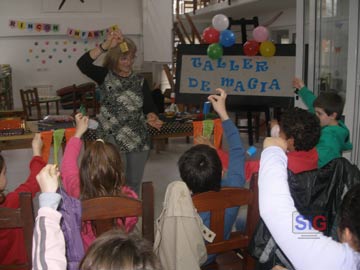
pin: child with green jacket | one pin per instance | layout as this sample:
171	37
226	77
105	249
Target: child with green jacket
328	107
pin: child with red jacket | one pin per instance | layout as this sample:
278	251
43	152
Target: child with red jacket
12	240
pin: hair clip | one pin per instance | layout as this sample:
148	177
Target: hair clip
100	140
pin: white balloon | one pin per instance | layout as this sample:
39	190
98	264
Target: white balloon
220	22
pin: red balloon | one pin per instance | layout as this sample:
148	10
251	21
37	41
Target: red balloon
210	35
251	48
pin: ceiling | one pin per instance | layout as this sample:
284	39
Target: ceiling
243	8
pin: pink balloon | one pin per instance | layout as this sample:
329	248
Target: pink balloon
260	34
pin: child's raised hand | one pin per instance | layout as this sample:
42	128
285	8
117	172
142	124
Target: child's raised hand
218	103
48	178
82	123
275	141
298	83
37	144
203	140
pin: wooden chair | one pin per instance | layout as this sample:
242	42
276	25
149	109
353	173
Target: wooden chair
104	211
85	94
30	100
252	128
12	114
22	217
216	203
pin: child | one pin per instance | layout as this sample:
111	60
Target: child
277	210
328	107
112	250
301	130
12	241
200	167
100	174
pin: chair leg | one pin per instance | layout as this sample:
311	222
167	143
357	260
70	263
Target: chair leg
57	107
250	263
257	126
250	127
267	120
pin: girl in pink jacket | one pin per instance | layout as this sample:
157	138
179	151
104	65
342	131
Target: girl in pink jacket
100	174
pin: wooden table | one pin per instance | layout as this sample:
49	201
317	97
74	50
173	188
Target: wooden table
19	141
169	130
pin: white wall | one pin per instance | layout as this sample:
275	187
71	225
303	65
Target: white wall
287	20
158	23
49	58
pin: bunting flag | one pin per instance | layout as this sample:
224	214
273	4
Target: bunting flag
32	26
58	139
218	132
92	34
197	128
69	132
207	128
46	137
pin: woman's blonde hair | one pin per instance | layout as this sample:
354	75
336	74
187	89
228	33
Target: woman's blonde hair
115	250
112	57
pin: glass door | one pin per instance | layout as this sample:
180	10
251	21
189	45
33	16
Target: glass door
331	46
331	61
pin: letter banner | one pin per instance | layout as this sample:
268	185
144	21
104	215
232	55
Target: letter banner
34	26
90	34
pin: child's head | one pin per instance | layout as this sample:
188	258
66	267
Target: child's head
200	168
349	226
328	107
100	171
116	250
300	128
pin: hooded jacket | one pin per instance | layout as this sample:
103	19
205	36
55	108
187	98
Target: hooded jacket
318	191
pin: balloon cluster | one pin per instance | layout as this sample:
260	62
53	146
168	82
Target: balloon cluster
218	36
266	47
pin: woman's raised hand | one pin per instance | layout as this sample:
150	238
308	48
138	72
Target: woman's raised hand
113	39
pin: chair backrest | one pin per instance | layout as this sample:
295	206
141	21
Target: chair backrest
216	203
30	100
22	217
85	94
104	211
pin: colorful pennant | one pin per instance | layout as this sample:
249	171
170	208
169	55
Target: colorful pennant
208	127
46	137
58	138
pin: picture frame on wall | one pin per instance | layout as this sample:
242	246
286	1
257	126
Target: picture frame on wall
68	6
